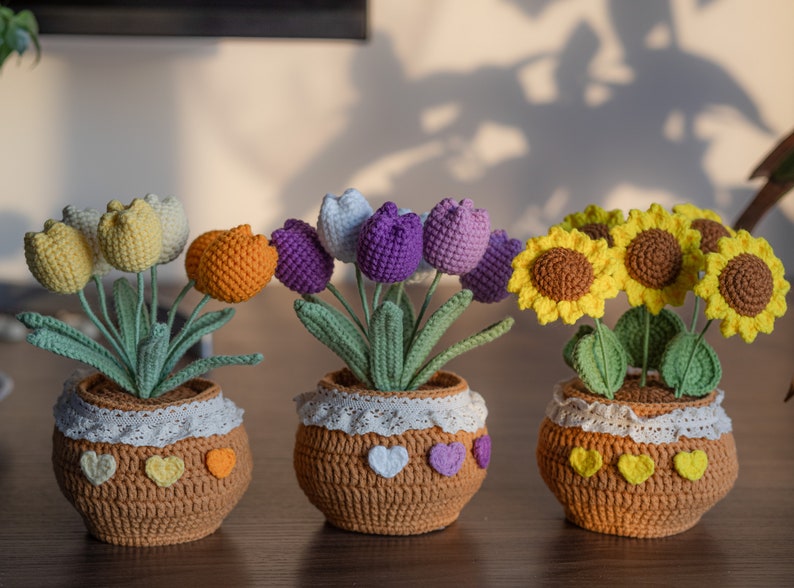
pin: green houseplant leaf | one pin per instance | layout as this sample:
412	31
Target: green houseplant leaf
437	324
386	346
600	360
690	365
337	333
567	352
485	336
630	331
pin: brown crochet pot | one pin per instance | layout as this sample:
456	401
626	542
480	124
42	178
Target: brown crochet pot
132	508
665	503
334	471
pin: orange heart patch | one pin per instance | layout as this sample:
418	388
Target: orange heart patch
221	462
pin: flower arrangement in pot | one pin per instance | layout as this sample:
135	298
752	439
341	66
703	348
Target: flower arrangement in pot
638	444
392	444
147	450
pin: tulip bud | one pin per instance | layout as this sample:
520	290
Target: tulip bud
303	265
390	245
236	265
131	237
60	257
196	250
340	222
456	236
86	221
488	281
174	223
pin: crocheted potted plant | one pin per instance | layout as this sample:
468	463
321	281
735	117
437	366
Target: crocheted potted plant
638	443
147	450
392	444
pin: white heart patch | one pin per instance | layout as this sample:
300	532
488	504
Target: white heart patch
388	461
97	468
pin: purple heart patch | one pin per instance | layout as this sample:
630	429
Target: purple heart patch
447	459
482	451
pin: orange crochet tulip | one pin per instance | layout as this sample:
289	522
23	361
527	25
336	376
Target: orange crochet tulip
196	250
236	265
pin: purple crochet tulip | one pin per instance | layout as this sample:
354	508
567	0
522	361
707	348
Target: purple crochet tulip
488	281
456	236
340	221
390	245
303	265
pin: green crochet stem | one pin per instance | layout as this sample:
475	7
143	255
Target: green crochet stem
389	350
144	354
645	346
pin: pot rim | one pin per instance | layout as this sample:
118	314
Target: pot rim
356	410
704	418
442	383
156	424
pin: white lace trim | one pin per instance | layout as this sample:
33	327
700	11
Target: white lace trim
357	414
706	422
77	419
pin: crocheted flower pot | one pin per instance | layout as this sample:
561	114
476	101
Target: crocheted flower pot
150	471
642	465
391	463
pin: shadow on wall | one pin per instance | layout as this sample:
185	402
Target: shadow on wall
592	137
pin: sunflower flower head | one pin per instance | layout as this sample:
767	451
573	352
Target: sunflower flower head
706	222
744	286
594	221
659	257
564	275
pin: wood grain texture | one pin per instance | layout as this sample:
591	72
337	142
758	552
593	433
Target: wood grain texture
512	533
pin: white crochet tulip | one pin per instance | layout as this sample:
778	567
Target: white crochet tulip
340	222
175	226
86	221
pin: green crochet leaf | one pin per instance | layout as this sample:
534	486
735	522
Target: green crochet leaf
567	352
690	365
152	352
485	336
125	302
435	327
600	361
202	366
66	345
630	330
386	346
204	325
397	294
338	334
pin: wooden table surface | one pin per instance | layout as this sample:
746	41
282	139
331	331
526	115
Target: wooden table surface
511	534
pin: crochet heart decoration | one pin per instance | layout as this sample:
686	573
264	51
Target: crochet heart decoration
387	461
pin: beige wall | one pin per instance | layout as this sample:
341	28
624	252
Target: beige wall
531	108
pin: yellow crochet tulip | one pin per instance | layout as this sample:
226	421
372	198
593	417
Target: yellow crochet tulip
131	237
60	258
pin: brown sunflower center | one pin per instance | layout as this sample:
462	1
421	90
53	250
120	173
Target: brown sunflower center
597	231
563	274
747	284
654	258
710	232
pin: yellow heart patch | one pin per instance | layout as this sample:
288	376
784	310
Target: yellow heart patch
692	465
164	472
220	462
585	462
636	468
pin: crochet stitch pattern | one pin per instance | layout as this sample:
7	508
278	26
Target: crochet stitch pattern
129	508
388	344
334	471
